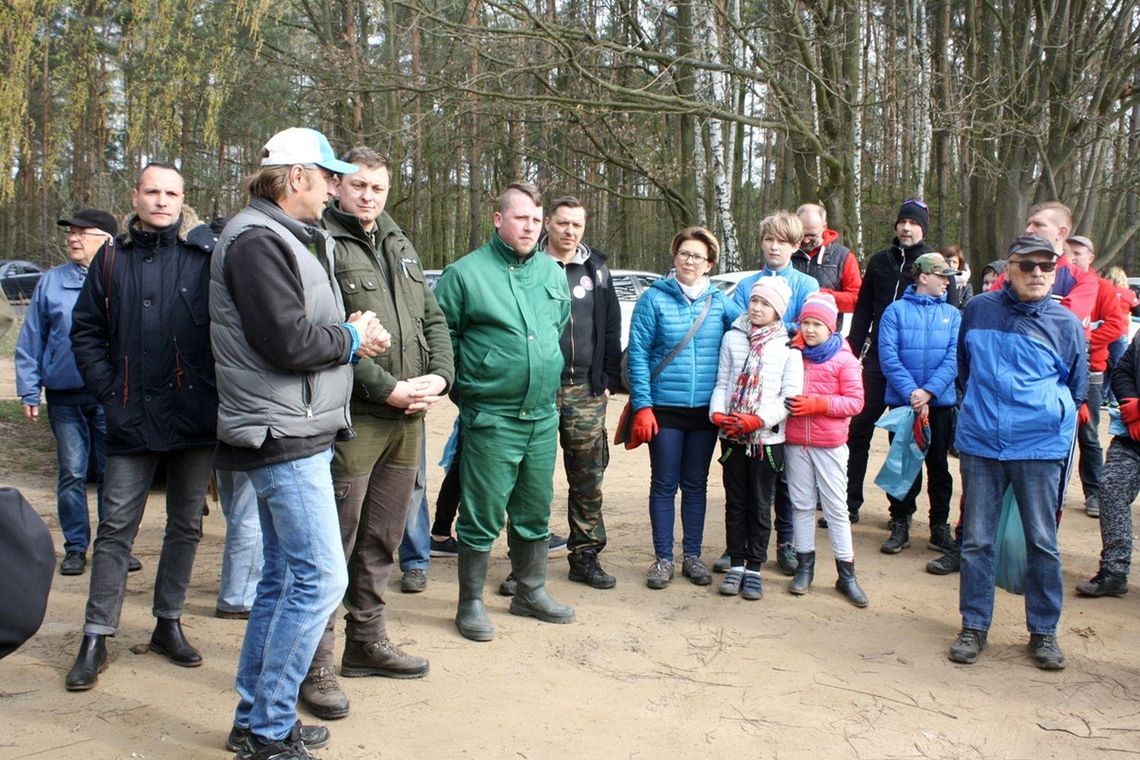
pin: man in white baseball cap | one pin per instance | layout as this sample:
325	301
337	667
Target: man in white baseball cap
284	354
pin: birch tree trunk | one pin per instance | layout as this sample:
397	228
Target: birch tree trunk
714	87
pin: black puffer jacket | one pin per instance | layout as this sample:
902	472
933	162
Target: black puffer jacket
888	273
141	336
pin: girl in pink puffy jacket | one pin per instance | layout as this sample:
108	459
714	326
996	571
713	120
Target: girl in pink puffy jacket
815	452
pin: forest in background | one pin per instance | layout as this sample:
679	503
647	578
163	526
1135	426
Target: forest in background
658	115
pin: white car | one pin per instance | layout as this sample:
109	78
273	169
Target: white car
729	280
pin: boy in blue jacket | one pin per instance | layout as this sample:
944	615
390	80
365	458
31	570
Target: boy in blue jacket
918	338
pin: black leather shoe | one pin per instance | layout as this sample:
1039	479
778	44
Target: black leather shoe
73	564
169	641
89	663
133	564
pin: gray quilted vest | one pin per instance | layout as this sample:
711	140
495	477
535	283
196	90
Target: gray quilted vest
254	398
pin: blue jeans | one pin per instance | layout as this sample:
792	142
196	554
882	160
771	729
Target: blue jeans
679	459
984	482
303	579
415	549
241	560
80	432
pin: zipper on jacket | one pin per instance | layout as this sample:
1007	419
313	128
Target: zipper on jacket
306	396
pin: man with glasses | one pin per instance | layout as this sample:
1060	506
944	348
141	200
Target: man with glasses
833	265
886	278
140	334
45	362
284	357
1023	373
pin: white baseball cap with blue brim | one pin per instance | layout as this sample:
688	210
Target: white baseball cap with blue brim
300	145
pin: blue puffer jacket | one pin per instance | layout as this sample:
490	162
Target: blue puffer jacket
802	285
44	359
918	345
1022	367
662	316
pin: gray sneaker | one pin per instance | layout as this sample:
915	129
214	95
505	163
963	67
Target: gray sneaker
414	581
660	574
968	646
722	564
1046	651
694	568
1092	505
730	586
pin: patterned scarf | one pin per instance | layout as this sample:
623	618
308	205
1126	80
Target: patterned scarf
746	394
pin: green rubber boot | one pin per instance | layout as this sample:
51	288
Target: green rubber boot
529	562
471	618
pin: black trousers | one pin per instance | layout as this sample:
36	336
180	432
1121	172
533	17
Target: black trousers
749	488
941	483
862	428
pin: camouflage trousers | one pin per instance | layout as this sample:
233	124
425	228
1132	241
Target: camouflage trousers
585	454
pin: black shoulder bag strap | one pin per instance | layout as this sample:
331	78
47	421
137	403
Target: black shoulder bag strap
677	349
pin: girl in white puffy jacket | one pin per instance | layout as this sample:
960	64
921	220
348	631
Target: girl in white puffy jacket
757	371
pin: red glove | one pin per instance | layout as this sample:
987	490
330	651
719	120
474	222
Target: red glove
805	406
1130	410
1134	431
921	431
725	422
1083	415
643	429
746	423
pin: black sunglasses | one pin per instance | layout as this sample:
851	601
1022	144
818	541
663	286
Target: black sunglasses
1029	266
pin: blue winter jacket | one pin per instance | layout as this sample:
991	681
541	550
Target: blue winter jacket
44	359
661	317
918	348
1023	370
802	286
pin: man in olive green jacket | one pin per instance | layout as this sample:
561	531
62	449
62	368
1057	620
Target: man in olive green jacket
377	270
506	308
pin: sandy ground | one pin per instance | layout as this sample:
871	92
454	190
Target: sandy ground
641	674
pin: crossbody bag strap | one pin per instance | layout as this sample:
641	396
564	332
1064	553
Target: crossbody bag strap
684	341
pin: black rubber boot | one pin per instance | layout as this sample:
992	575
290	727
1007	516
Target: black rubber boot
848	585
529	562
89	663
805	572
471	617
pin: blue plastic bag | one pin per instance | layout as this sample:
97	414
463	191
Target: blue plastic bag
1009	547
904	460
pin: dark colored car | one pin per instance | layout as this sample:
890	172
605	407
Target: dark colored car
19	278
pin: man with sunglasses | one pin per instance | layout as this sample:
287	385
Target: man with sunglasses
1023	373
886	278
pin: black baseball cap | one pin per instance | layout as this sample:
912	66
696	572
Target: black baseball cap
1030	244
92	217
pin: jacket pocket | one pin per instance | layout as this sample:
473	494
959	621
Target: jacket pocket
558	301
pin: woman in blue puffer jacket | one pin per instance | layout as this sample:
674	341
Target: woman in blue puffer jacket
671	402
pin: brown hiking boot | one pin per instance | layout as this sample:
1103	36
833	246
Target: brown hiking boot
380	658
322	695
